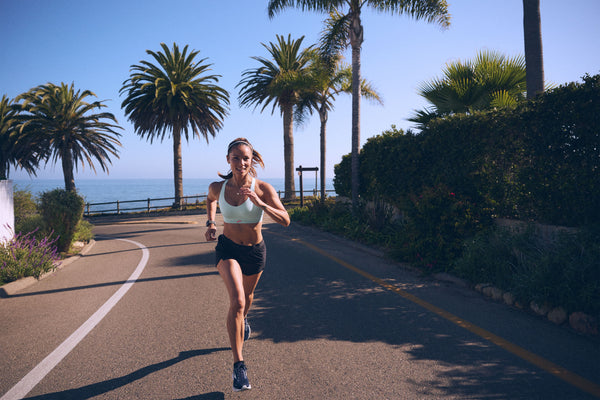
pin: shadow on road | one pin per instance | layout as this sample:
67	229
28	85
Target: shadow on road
99	388
304	296
207	396
115	283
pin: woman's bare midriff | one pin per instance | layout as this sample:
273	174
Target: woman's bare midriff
244	234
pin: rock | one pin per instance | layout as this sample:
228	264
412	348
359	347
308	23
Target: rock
509	299
583	323
493	292
539	310
445	277
518	304
487	291
496	293
480	286
557	315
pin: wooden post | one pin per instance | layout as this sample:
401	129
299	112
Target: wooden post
300	169
301	188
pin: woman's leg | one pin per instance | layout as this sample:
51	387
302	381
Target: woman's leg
231	274
250	282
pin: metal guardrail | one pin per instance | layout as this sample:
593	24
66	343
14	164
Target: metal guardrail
148	205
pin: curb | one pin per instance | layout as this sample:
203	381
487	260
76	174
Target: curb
13	287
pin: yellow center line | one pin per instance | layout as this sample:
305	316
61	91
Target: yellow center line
556	370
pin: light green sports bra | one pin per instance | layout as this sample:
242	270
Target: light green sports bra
245	213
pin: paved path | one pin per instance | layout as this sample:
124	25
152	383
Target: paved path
141	316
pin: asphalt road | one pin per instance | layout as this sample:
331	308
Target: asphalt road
142	316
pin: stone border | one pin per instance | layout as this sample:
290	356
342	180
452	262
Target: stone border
578	321
13	287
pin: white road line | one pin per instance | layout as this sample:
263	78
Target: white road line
38	373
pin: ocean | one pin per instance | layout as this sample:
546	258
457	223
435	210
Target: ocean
111	190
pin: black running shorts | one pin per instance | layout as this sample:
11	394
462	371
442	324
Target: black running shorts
252	259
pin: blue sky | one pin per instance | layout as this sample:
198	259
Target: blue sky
94	43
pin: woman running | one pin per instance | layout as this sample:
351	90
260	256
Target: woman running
240	251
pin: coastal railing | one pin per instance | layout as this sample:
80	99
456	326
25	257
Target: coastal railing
152	205
142	205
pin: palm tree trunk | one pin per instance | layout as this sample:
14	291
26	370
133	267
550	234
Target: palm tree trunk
356	39
177	167
534	59
67	165
323	116
4	169
288	151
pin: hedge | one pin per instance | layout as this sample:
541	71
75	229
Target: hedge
539	161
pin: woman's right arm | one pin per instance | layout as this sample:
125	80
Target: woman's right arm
211	210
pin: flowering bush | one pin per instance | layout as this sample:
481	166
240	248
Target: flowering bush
25	255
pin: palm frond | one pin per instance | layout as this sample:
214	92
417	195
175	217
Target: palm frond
335	37
276	6
433	11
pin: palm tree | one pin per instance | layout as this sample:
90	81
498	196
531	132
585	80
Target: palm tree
10	153
348	29
491	80
534	55
59	120
330	78
174	95
279	81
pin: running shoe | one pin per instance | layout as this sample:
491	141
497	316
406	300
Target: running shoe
240	377
247	329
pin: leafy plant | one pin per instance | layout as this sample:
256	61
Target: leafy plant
83	232
25	255
560	272
338	218
61	211
532	162
24	205
438	221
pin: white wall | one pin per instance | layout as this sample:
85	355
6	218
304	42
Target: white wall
7	211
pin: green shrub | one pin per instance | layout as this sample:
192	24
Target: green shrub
25	255
564	272
494	255
83	233
338	218
438	222
24	206
61	211
342	177
33	224
536	162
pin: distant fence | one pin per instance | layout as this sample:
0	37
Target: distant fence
142	205
152	205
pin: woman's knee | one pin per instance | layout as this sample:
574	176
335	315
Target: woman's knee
238	303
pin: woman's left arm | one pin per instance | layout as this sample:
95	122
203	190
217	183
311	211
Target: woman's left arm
270	203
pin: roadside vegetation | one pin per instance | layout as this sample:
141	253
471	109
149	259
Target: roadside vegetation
434	199
564	272
45	231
